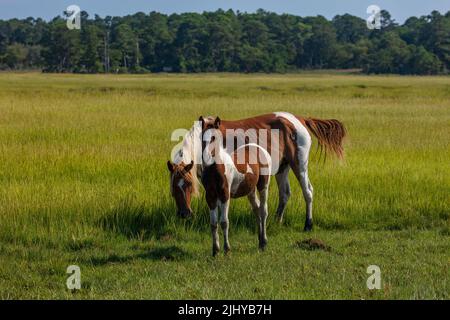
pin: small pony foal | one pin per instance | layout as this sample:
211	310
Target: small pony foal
240	174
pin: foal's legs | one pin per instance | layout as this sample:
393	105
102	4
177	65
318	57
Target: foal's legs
284	191
254	202
214	231
263	194
224	223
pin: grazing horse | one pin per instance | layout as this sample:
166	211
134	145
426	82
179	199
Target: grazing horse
186	184
289	149
243	173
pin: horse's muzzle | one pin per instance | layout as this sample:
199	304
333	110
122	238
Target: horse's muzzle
185	213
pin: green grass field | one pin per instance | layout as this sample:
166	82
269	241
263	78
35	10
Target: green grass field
83	181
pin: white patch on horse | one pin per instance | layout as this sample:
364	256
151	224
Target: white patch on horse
303	137
303	142
233	176
180	185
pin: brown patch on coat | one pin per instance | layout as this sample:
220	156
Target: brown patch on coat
216	185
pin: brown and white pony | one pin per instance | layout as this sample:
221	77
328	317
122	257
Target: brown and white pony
289	150
243	173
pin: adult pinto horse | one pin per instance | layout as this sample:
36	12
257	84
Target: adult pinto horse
289	149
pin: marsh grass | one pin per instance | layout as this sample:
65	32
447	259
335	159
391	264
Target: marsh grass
83	179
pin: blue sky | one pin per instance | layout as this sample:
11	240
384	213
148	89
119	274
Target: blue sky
400	9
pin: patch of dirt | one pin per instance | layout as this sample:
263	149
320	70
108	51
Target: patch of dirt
313	244
166	237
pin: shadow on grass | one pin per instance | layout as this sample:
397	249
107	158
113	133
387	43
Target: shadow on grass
138	221
169	253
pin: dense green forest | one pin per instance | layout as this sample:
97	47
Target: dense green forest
226	41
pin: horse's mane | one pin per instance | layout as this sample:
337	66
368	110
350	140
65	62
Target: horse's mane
191	151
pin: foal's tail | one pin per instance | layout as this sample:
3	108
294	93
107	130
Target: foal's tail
329	133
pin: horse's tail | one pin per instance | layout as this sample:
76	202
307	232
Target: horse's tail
329	133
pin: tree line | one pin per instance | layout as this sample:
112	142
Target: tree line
226	41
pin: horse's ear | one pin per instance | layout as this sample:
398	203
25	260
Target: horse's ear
189	166
170	166
202	121
217	123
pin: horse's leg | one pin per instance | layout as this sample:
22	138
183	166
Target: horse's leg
308	195
254	202
284	191
300	168
263	194
224	223
214	231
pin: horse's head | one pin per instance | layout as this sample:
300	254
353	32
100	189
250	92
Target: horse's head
211	139
182	186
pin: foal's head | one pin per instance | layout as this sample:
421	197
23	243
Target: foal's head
211	139
182	186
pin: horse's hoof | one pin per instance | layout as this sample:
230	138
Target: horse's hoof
263	245
308	227
279	219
